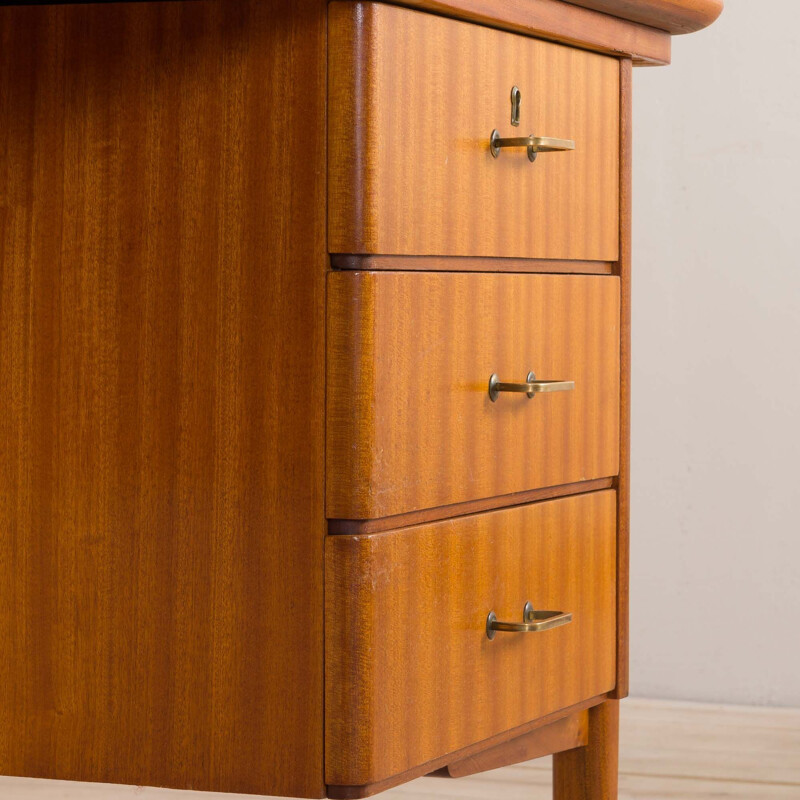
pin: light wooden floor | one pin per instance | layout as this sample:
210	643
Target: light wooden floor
668	750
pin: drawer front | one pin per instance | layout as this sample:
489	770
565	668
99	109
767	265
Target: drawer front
410	423
414	99
410	672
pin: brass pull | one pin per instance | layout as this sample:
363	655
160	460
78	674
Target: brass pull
535	144
531	387
532	621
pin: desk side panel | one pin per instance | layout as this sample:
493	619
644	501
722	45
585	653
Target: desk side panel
162	264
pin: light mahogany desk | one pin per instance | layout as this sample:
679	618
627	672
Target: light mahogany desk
314	388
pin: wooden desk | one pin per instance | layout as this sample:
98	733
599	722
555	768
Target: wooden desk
258	494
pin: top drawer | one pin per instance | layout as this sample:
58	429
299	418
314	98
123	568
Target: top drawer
414	99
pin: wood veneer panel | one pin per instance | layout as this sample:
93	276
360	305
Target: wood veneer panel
410	673
413	101
568	733
438	766
409	421
161	413
624	480
563	22
674	16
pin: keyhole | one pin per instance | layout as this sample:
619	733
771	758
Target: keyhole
516	99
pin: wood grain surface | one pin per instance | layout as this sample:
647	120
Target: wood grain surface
437	766
568	733
564	22
161	422
674	16
591	772
424	182
410	423
410	673
624	269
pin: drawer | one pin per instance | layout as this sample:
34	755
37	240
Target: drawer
413	101
410	423
410	673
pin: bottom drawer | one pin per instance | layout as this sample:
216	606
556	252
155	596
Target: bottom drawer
410	672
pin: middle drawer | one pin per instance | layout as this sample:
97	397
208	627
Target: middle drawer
410	420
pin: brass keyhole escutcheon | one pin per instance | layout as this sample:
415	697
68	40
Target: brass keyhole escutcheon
516	100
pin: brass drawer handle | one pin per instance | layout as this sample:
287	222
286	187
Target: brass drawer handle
532	621
531	387
535	144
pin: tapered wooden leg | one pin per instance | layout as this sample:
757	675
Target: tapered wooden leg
590	772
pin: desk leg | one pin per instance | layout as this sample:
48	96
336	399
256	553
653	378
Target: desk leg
590	772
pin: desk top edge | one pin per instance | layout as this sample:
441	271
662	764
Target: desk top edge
672	16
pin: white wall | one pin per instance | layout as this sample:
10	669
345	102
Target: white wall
715	592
